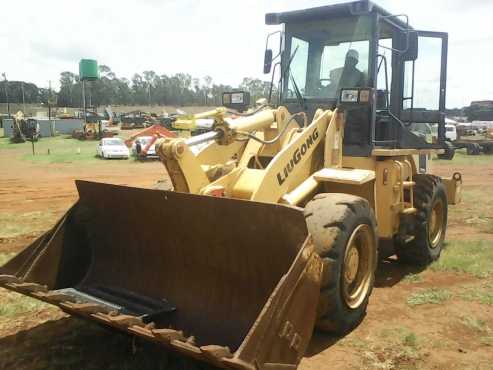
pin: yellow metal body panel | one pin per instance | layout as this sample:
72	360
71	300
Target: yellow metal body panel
185	172
290	164
386	193
294	163
345	175
366	163
216	154
385	196
245	184
333	142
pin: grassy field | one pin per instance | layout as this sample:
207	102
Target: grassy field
462	159
53	150
56	149
470	257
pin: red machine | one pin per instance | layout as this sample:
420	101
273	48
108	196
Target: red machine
150	131
155	131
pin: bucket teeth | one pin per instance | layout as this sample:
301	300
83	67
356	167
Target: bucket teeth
8	279
186	348
216	353
29	287
86	308
54	297
191	340
141	331
124	320
168	335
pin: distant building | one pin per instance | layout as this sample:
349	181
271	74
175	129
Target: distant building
480	111
483	124
488	104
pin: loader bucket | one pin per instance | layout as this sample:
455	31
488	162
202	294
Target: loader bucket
231	282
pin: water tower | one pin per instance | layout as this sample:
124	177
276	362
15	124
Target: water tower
88	71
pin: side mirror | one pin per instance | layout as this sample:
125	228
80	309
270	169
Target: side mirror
267	61
412	47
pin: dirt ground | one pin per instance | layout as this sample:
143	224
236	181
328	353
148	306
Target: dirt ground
440	318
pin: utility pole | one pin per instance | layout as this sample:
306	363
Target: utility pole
49	99
6	93
23	98
84	100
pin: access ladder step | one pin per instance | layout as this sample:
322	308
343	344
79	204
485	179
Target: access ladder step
408	184
409	211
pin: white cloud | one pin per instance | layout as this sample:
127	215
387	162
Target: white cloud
221	38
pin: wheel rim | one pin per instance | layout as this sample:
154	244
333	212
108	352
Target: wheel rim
358	266
436	224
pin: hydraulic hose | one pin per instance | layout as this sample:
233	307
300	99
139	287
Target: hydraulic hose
268	142
248	113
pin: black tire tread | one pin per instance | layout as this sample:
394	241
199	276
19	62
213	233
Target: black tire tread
328	218
417	252
449	153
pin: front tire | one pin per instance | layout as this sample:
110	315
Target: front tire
343	228
473	149
430	223
488	149
449	152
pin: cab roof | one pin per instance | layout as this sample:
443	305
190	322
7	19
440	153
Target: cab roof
355	8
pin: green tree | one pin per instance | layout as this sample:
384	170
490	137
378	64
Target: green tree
66	93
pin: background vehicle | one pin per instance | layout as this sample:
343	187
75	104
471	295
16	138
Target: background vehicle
112	148
141	143
475	138
451	132
186	125
93	131
272	227
135	119
24	129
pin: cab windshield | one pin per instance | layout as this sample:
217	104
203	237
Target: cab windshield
326	56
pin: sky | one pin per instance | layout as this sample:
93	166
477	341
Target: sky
221	38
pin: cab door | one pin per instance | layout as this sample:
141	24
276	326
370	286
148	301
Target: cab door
425	83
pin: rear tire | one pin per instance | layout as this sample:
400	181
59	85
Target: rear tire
473	149
430	225
343	228
488	149
449	152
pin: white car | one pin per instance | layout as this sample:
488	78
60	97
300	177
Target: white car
140	144
112	148
450	132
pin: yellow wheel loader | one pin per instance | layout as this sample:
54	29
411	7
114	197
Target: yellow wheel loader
275	226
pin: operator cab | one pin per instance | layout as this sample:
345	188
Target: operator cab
360	58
